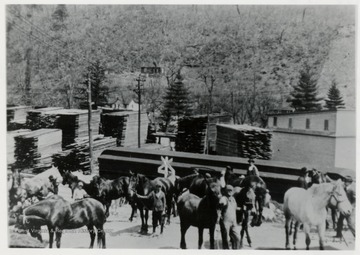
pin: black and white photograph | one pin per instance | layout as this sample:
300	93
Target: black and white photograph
228	126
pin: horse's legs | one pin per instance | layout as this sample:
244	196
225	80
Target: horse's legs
107	204
287	232
133	210
146	220
142	219
333	217
296	228
244	217
212	236
290	226
183	229
58	234
51	236
169	200
101	237
200	241
307	235
246	224
321	232
92	235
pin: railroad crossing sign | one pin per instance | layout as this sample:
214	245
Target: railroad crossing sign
164	168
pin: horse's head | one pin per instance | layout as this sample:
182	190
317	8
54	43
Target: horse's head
133	183
213	191
97	186
66	177
339	198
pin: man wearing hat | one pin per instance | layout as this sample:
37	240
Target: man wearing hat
157	200
350	189
79	192
252	169
228	224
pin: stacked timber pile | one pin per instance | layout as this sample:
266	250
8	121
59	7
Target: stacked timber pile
16	117
42	118
10	143
243	141
76	156
33	150
191	134
192	131
72	122
124	127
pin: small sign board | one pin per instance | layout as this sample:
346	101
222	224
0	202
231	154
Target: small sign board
151	70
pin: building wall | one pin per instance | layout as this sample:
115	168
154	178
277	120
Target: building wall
299	121
307	149
345	123
345	155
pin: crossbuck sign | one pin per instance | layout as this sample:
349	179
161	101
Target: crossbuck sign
165	167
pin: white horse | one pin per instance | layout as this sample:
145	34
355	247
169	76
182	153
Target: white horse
309	207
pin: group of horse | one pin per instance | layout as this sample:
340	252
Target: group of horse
196	197
202	196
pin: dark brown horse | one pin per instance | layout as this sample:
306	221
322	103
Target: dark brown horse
72	180
108	190
58	214
199	212
184	183
143	186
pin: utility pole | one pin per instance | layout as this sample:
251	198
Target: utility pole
89	124
140	81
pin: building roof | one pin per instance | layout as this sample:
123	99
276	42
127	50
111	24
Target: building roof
307	112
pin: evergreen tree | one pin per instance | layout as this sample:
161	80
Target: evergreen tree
304	97
99	91
59	16
334	100
176	101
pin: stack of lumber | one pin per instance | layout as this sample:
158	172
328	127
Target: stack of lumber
191	134
16	117
76	156
124	127
41	118
72	122
243	141
33	150
10	143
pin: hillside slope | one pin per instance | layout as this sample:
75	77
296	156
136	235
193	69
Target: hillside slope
340	65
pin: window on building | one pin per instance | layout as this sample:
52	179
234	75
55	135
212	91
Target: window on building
290	123
275	122
326	125
307	123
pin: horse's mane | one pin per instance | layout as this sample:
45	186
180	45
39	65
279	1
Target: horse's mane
317	188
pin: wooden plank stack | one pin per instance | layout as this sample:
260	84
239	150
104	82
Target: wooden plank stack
10	143
16	117
42	118
33	150
243	141
72	122
191	135
124	127
76	156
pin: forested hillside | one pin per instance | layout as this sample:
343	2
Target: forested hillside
246	58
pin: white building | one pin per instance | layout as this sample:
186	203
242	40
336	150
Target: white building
324	139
